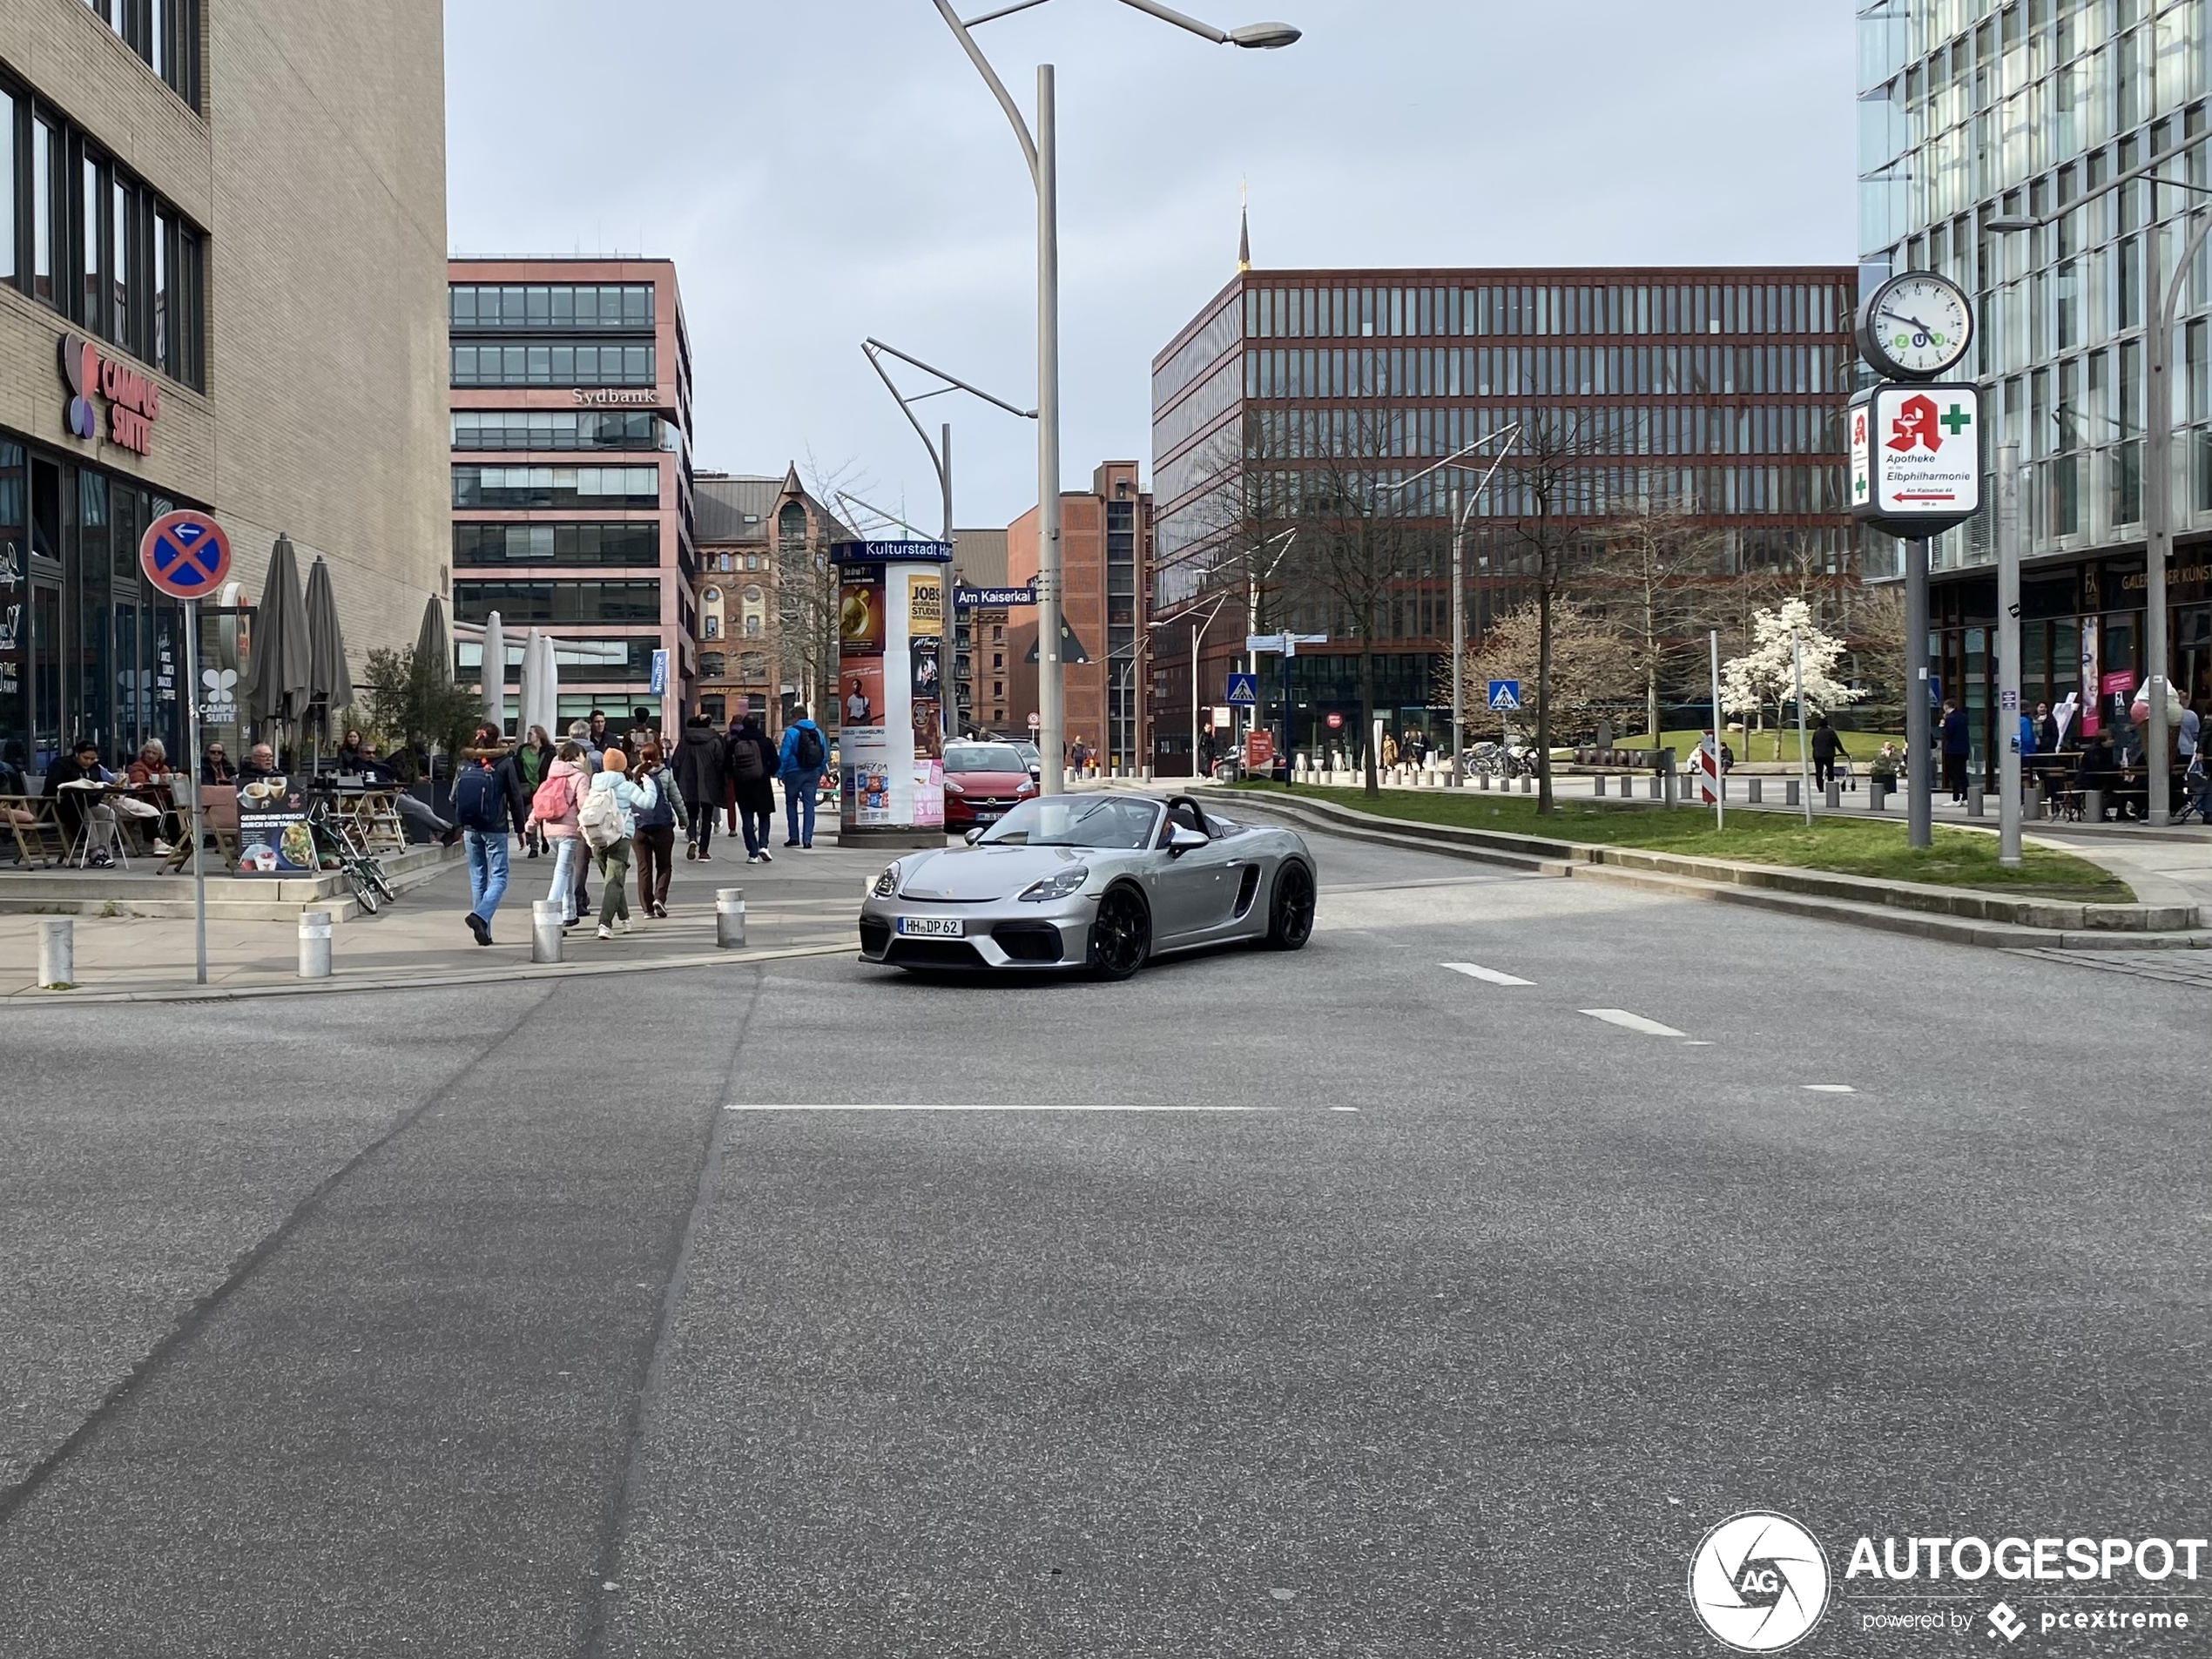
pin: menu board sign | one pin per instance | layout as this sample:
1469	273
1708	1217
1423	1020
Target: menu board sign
273	835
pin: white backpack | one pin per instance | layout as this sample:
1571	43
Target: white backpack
600	818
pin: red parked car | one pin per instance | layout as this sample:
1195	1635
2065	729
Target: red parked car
983	782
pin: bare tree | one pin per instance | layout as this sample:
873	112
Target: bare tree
1353	547
808	591
1548	488
1651	573
1593	658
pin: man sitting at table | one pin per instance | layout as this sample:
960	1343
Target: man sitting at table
260	762
356	757
75	807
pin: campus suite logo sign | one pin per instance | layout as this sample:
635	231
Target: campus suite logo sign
1759	1582
134	401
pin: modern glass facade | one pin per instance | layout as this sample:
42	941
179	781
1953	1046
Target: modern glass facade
1972	111
1717	393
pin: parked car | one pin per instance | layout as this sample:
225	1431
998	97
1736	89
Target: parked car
983	783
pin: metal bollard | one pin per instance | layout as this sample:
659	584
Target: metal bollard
1758	793
546	931
2092	806
57	953
314	944
1656	793
729	918
1974	803
1790	793
1527	785
1835	796
1600	781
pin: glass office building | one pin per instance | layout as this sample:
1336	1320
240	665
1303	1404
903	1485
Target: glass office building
1972	111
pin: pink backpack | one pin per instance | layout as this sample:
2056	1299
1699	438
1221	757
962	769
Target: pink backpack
554	800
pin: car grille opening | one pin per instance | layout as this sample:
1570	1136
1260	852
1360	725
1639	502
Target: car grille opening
1249	890
874	936
1029	941
932	953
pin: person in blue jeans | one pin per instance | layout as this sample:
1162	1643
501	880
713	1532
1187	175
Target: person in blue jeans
799	764
487	804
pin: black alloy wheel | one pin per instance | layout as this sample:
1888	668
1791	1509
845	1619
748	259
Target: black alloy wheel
1121	936
1289	914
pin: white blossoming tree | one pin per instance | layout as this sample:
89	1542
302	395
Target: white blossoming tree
1765	676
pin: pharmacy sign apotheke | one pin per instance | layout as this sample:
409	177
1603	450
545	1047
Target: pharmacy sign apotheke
1915	457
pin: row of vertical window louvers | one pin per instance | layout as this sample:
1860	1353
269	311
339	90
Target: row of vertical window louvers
1549	308
1547	371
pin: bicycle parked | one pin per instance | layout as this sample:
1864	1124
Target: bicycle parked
338	839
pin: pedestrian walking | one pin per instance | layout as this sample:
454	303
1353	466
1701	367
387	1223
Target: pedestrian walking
1957	747
553	814
533	760
657	824
752	765
799	764
702	779
1826	746
488	805
608	818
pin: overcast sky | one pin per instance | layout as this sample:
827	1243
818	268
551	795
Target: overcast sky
825	170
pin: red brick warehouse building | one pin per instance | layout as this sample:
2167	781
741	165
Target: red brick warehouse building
1718	389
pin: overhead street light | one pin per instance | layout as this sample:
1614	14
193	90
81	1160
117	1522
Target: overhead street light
1041	150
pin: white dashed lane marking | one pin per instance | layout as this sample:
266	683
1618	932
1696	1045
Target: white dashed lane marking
1000	1109
1629	1021
1831	1089
1487	975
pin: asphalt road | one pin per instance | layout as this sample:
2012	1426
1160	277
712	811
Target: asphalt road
1440	1316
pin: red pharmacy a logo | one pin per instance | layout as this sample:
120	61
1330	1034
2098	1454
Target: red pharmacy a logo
1916	424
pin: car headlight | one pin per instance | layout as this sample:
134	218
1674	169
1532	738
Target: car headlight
887	885
952	788
1065	885
1027	788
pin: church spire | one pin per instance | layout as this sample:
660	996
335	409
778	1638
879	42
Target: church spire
1244	229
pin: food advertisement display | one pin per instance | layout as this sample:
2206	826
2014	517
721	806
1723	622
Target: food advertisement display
274	838
889	688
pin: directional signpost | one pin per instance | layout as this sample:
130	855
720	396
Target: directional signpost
1505	697
186	554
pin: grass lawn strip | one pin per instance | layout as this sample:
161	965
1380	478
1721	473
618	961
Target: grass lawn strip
1842	846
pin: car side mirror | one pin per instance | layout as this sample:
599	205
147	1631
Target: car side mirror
1184	839
974	835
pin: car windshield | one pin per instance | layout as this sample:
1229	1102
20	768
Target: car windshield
985	757
1124	826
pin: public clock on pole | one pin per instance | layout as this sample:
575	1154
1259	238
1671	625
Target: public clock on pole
1916	326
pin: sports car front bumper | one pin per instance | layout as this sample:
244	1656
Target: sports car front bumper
1004	934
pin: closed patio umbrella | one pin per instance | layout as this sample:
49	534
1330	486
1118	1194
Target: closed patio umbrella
495	672
330	684
432	652
280	667
541	683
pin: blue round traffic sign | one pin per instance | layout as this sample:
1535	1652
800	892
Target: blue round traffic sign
186	554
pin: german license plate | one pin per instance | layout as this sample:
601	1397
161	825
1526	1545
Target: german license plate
932	928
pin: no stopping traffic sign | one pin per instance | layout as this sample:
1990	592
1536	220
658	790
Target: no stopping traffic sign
186	554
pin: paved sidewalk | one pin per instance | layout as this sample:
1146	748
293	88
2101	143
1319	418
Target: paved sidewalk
805	900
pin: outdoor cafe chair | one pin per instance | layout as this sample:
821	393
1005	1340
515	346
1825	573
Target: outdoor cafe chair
39	840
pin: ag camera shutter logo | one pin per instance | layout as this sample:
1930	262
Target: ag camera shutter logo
1759	1582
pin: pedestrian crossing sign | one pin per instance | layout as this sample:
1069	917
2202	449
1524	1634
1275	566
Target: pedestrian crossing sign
1505	697
1243	692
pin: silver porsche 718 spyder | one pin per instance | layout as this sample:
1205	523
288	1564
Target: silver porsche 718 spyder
1096	882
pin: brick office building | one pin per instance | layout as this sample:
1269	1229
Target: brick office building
198	308
1719	391
982	679
571	473
1106	546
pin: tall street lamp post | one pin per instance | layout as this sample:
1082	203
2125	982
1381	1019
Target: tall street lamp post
1459	515
1041	150
2158	470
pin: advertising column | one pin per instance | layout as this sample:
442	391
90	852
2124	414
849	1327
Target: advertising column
891	627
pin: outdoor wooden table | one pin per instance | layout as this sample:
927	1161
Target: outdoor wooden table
376	816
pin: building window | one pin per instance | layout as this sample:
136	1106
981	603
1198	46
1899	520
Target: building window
714	627
753	627
537	487
165	35
44	200
712	596
512	306
753	595
557	602
558	430
711	664
565	362
478	545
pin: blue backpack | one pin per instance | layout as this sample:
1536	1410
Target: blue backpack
478	803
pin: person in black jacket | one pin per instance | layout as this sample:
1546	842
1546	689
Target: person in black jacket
702	779
752	772
1826	745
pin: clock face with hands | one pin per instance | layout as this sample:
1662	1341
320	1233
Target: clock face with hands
1917	327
